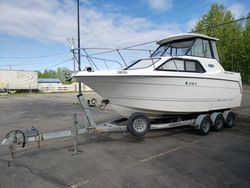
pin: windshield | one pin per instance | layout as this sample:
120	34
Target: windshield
172	48
142	63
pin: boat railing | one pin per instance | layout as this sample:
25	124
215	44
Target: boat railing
96	58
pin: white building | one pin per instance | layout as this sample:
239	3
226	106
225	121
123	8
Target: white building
55	85
13	80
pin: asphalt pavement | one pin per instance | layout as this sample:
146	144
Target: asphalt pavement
165	158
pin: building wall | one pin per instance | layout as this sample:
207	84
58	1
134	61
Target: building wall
59	87
18	80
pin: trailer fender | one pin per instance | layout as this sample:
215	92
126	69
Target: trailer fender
199	120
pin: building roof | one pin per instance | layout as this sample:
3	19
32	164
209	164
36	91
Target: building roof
13	70
183	36
49	80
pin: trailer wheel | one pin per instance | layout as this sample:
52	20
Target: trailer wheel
138	124
204	124
218	121
229	119
93	102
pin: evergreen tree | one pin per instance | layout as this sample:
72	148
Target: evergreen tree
60	73
246	51
229	34
232	39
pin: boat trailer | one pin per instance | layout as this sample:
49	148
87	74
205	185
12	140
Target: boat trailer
138	124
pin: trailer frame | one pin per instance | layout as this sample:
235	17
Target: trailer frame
17	138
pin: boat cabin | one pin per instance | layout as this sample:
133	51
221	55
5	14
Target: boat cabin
188	44
175	47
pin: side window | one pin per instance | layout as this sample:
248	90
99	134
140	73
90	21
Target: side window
167	52
193	66
168	66
181	65
197	49
201	48
207	50
190	66
215	50
173	65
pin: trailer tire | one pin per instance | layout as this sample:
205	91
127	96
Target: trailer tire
229	119
138	124
218	121
204	124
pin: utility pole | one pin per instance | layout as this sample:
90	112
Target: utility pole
78	37
71	41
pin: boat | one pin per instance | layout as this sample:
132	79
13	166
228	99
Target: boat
182	76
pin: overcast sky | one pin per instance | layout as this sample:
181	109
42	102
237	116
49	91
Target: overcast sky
34	33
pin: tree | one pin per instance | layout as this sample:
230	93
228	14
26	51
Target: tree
246	51
47	74
60	73
234	43
229	34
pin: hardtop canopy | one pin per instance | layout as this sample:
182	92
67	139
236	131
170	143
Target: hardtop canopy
184	36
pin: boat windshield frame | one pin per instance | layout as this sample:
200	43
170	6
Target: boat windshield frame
168	46
152	63
171	45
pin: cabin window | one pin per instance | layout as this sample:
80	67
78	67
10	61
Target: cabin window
173	65
181	65
168	66
193	66
181	48
160	51
190	66
167	52
200	48
207	49
197	47
142	63
174	48
215	52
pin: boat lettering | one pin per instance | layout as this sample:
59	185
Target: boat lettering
122	72
225	100
191	83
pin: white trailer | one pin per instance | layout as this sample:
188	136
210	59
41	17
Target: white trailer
18	80
138	124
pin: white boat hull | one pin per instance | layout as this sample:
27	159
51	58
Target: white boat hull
157	96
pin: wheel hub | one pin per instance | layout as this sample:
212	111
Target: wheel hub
140	125
219	123
205	126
